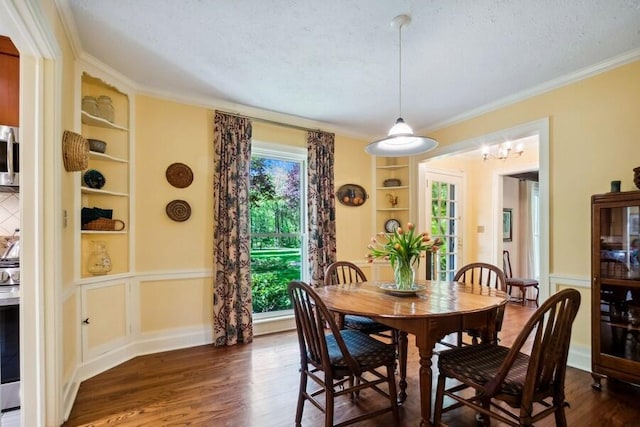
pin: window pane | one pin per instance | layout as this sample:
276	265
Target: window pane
275	198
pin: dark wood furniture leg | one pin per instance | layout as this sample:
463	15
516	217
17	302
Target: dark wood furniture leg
402	366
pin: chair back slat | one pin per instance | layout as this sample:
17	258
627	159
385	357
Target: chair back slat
480	273
341	272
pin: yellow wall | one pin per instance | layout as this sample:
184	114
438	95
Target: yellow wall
593	135
168	132
169	304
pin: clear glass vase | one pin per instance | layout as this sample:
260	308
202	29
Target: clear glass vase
404	274
99	261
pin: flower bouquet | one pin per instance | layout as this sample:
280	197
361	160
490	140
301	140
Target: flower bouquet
403	249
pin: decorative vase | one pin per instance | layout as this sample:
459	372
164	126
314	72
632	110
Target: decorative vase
636	176
404	274
99	262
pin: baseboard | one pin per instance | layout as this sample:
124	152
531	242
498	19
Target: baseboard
580	357
69	393
174	339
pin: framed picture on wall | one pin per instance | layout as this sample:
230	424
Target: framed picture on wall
507	225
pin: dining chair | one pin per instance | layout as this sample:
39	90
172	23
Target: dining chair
481	274
506	374
342	362
518	282
341	272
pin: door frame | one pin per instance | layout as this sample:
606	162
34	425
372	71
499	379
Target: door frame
40	166
424	200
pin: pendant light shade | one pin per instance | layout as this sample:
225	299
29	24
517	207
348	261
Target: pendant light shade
400	140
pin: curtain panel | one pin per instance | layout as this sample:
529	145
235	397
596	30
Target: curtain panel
321	204
232	306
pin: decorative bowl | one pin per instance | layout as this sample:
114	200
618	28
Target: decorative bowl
94	179
392	182
97	145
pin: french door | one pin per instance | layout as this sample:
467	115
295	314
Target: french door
443	215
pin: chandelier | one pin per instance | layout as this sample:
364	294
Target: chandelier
400	140
503	151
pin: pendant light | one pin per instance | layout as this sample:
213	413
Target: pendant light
400	140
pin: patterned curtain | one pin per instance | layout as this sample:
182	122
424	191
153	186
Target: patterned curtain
322	205
232	307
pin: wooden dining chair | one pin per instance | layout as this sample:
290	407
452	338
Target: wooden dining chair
507	374
518	282
481	274
341	272
342	362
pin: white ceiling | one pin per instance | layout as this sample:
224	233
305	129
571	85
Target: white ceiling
336	61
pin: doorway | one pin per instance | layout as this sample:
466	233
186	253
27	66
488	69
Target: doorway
481	232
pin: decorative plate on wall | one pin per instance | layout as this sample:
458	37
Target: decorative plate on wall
178	210
179	175
352	195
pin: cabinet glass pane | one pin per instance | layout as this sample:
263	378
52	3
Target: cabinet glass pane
619	242
620	321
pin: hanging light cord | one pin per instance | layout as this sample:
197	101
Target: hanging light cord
400	70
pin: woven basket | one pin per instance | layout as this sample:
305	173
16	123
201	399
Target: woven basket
104	224
75	151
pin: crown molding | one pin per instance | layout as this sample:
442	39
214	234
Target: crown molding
593	70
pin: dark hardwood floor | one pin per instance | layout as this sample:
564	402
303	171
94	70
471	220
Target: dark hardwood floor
257	385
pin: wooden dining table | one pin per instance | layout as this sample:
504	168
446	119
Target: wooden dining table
430	314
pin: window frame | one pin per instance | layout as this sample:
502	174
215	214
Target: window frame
299	155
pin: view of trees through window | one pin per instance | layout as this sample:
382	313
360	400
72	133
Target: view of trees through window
276	230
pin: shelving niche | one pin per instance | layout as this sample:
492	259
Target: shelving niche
114	166
388	170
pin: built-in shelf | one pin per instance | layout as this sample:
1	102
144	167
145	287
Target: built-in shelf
91	120
393	166
87	190
103	232
400	187
393	209
94	155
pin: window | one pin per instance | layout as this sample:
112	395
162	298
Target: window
277	197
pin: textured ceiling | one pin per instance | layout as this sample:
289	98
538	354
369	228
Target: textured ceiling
336	61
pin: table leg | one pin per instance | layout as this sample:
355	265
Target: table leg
402	366
426	351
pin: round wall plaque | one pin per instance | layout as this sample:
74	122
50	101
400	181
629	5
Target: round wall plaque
179	175
178	210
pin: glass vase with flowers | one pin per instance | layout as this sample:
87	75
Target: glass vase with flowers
402	249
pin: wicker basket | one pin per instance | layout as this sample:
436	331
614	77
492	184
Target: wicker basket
104	224
75	151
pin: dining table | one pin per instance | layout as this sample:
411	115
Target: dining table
429	311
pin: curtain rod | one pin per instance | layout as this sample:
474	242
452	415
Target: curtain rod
273	122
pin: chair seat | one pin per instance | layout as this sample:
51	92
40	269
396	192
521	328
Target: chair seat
365	350
480	363
516	281
364	324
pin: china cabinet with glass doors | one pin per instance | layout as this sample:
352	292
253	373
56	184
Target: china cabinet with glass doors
615	299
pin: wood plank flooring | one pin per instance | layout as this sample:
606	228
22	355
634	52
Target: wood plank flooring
257	385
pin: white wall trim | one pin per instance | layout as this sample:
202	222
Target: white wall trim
555	280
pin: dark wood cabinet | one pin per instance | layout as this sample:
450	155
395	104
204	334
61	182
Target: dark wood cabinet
9	83
615	288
